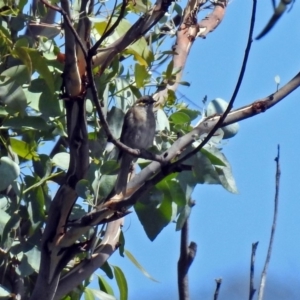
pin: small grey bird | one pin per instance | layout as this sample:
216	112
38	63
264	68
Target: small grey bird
138	132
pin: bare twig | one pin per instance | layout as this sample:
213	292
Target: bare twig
252	290
108	31
268	258
235	92
187	255
218	286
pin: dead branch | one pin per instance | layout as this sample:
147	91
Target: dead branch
218	286
252	290
187	256
268	258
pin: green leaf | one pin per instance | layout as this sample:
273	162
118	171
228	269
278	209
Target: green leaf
42	166
138	265
40	64
109	167
141	75
33	258
83	189
214	159
104	286
180	118
106	185
204	171
36	201
169	70
185	83
9	171
18	73
183	216
193	114
88	294
13	96
22	149
27	122
23	55
172	189
121	282
9	232
107	270
101	295
154	206
227	179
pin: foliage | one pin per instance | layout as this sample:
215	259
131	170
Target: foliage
34	115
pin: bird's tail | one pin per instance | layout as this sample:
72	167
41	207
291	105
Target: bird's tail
121	182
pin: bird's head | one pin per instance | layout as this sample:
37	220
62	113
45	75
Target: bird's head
145	101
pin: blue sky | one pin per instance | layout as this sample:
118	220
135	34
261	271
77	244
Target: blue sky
222	224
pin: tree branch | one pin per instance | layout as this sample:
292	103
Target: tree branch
146	179
187	255
252	290
268	258
218	286
87	267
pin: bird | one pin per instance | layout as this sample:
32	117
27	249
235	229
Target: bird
138	132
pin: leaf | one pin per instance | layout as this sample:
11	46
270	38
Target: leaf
106	185
214	159
27	122
18	73
88	294
40	64
35	199
13	96
162	121
169	70
109	167
101	295
121	282
107	270
227	179
83	189
183	216
172	189
137	57
23	55
104	286
9	171
62	160
180	118
22	149
154	206
33	258
204	171
141	75
138	265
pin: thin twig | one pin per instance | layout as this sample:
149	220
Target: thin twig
107	30
218	286
187	255
252	290
268	258
236	90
